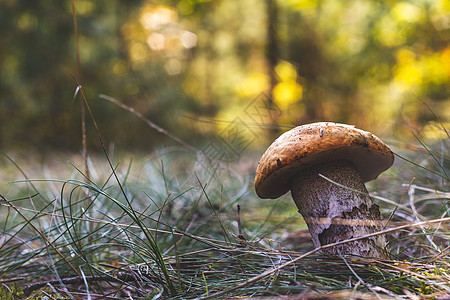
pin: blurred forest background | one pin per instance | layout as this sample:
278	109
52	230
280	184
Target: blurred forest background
229	69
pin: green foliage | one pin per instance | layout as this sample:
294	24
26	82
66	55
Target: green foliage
11	292
353	61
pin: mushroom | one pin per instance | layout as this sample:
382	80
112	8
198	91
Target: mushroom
325	165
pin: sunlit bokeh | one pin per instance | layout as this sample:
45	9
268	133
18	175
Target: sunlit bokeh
380	65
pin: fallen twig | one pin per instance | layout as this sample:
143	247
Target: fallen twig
120	277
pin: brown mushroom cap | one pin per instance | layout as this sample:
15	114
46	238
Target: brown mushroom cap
311	144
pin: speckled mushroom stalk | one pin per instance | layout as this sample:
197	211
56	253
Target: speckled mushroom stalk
335	213
307	160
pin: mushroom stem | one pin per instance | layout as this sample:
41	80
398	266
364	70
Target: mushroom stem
334	213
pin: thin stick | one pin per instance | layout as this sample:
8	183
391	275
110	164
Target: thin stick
149	123
433	259
120	277
83	111
239	221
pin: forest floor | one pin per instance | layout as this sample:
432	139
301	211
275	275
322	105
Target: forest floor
175	225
